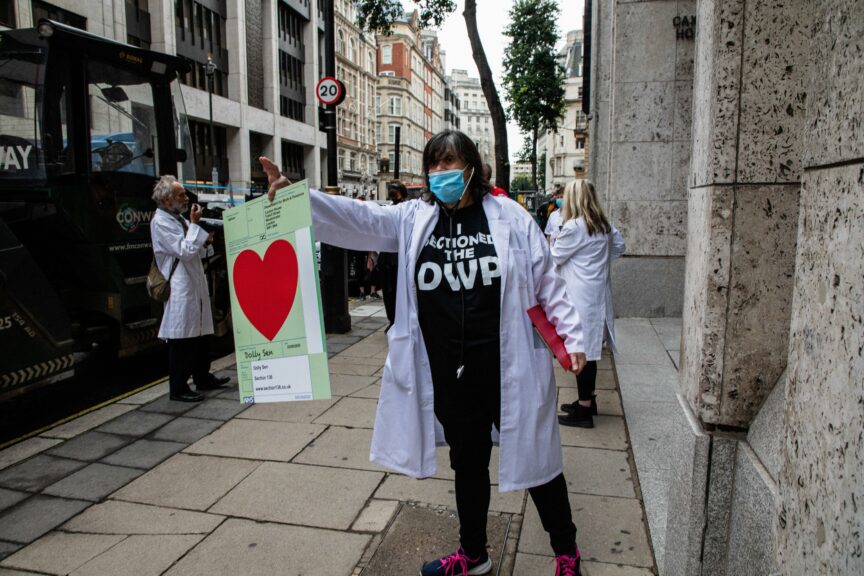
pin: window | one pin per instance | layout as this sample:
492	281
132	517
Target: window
387	54
7	13
353	48
580	143
123	135
44	10
391	132
394	107
370	61
292	161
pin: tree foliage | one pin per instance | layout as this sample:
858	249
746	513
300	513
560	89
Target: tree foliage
533	78
524	154
521	182
379	16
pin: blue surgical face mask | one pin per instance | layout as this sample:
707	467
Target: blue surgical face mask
558	202
448	186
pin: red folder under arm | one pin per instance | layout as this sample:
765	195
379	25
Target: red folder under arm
550	336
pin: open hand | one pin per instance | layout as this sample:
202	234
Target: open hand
577	362
274	177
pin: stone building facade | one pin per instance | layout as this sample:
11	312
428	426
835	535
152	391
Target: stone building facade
566	148
476	120
356	116
410	97
736	129
255	111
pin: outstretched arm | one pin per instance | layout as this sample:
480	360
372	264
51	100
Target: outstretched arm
340	221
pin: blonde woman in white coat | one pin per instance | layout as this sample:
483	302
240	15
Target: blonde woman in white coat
583	252
463	363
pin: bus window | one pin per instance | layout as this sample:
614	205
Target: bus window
122	121
21	73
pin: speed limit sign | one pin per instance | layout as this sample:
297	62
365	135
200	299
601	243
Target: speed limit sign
330	91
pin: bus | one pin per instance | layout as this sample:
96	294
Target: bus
87	125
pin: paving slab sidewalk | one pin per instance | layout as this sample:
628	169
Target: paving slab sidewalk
146	487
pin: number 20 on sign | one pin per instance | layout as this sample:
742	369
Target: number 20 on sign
330	91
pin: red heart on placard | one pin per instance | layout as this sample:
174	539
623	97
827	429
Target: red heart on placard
266	289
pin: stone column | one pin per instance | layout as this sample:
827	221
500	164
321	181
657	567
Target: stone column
162	27
643	73
749	95
820	519
238	141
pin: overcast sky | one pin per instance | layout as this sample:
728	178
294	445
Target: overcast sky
492	18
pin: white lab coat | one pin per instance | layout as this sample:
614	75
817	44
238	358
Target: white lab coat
406	430
553	225
583	262
187	312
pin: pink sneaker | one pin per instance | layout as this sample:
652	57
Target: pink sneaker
567	565
458	564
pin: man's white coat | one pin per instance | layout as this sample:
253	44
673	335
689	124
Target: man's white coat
406	430
187	313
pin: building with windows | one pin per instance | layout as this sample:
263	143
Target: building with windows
566	148
452	106
410	98
356	116
255	111
476	120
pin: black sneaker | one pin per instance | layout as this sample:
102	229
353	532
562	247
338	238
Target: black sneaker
569	408
580	417
214	383
458	564
187	397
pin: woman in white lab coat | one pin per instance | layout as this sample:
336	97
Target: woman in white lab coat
463	363
583	252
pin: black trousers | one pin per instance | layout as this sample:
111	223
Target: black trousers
188	357
388	265
467	407
587	380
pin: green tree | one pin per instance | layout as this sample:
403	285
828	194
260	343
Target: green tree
524	154
533	79
521	182
379	15
541	173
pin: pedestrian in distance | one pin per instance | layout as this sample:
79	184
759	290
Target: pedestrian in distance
554	221
388	262
463	363
496	190
178	246
583	252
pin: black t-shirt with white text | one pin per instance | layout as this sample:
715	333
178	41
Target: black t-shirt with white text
459	288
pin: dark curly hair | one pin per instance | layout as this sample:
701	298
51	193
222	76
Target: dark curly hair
459	145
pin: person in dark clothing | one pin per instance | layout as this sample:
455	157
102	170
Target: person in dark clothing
388	262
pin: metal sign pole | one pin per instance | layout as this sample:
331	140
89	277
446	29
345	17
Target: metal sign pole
334	262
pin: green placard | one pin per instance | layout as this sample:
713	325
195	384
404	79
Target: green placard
276	299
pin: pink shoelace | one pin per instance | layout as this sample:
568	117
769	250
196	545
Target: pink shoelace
565	565
458	558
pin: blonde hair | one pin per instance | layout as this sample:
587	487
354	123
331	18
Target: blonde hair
580	200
